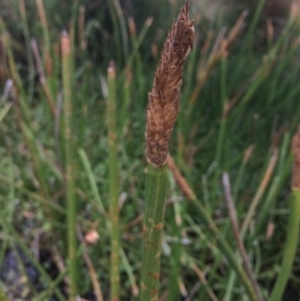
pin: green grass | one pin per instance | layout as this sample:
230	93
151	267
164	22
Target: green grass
260	78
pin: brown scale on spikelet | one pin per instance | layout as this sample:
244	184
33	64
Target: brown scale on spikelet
296	167
163	103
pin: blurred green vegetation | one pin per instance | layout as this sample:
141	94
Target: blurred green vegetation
235	100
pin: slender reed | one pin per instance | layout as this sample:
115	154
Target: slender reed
42	78
113	185
260	191
212	228
290	247
45	28
23	14
69	167
236	233
162	112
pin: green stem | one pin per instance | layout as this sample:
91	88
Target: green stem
113	185
69	165
289	249
156	189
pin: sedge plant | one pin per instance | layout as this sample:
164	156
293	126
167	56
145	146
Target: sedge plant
162	110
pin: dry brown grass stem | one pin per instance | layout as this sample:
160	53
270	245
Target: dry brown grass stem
163	103
42	78
237	236
261	189
296	166
181	181
248	153
131	26
60	264
203	280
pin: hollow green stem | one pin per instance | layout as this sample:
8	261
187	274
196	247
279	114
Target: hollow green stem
289	248
156	189
113	185
69	166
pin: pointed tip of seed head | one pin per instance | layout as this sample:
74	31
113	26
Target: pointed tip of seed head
111	70
65	43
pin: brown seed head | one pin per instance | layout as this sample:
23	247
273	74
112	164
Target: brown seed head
163	105
296	167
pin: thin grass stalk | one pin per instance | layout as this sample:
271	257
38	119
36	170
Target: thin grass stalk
135	47
113	185
73	28
138	66
262	187
123	116
44	23
36	161
128	268
25	28
91	178
22	109
4	111
237	236
206	68
24	120
223	95
241	171
162	111
224	246
274	191
213	229
252	27
69	165
222	130
50	62
201	275
290	247
176	251
123	28
254	203
116	29
42	77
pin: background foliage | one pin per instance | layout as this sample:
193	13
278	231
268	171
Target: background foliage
256	76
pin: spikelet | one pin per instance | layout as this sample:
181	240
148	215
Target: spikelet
296	166
163	105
